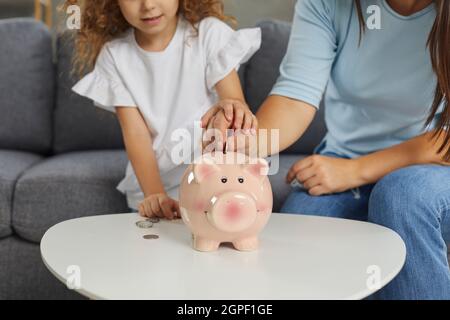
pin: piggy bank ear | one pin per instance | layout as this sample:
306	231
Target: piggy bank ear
259	169
205	168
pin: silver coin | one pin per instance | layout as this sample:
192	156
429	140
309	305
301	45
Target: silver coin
296	184
153	219
145	224
151	237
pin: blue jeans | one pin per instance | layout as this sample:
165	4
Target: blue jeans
414	202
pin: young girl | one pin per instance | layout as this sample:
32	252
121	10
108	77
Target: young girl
160	65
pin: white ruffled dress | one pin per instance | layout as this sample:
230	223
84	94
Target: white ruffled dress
172	88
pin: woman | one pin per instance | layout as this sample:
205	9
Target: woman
379	161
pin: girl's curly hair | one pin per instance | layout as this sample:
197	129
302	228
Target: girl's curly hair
102	21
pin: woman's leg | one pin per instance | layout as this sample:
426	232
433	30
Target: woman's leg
349	205
415	202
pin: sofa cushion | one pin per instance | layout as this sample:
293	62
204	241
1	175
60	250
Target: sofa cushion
23	275
78	124
12	165
262	72
68	186
26	86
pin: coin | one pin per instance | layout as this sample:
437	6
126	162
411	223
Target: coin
151	237
145	224
153	219
296	184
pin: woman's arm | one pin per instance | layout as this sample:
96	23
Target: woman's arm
290	117
139	146
304	74
324	175
420	150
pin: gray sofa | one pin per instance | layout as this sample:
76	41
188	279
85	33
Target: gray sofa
61	158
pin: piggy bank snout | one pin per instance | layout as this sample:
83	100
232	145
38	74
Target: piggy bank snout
233	212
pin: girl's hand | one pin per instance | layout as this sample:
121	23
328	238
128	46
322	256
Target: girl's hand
160	205
322	175
243	143
236	112
228	114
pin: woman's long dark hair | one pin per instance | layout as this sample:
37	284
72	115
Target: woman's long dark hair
439	46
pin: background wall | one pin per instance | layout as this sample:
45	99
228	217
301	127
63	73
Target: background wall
248	12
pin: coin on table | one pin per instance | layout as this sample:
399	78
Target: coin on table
153	219
145	224
151	237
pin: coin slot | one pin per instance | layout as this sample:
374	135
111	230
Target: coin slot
151	237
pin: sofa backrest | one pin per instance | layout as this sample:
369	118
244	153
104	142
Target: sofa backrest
78	125
262	72
27	92
26	85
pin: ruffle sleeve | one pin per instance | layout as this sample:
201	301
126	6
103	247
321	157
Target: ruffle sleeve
105	93
104	86
227	49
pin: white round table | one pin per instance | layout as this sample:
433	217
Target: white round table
300	257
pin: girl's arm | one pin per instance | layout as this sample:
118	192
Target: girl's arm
230	88
138	143
233	108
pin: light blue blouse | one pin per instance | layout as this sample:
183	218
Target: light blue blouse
376	94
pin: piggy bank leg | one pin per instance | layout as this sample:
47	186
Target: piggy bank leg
247	244
205	245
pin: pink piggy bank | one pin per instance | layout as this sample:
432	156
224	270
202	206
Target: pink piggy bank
223	199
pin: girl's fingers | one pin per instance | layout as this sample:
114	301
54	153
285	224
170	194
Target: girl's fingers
248	119
141	209
176	208
166	208
254	124
208	115
228	109
238	118
156	210
240	141
208	138
221	125
147	209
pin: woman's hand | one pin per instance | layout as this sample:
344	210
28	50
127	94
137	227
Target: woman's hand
159	205
322	175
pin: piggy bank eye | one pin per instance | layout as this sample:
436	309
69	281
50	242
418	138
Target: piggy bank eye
241	180
224	180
